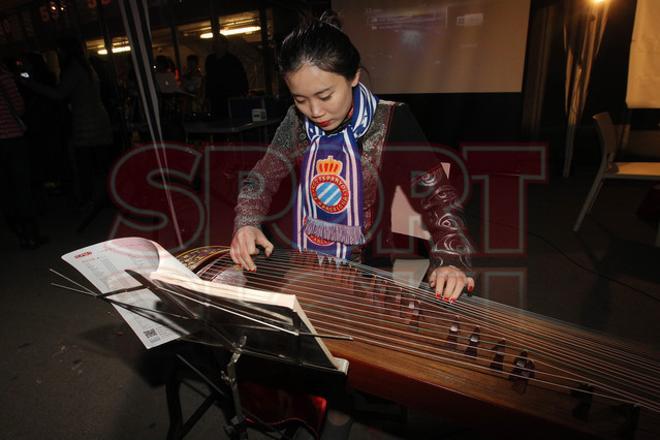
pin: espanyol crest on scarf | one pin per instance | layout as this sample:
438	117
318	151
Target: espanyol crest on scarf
329	191
329	206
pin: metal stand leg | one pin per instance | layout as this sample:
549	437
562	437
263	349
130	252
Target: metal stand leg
178	429
236	427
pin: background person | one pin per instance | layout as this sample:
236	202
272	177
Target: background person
45	119
225	77
91	140
193	84
15	184
192	78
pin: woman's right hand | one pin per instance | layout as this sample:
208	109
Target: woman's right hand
245	243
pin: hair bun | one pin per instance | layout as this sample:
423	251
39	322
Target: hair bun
330	17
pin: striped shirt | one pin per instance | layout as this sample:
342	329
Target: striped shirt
9	127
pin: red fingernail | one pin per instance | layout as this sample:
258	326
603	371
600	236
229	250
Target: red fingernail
470	289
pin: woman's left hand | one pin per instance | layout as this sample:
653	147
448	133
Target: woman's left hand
449	282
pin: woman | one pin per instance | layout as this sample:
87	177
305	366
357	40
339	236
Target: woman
336	131
44	118
91	130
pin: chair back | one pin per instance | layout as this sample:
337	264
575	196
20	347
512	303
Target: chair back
606	135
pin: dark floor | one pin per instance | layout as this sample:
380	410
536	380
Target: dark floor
73	370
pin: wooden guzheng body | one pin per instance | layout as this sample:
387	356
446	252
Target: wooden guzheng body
476	362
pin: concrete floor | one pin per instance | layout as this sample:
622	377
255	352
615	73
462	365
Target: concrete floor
72	369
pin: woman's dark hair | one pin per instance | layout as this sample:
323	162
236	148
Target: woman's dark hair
70	49
40	71
321	43
164	64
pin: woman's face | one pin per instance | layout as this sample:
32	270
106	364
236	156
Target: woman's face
324	97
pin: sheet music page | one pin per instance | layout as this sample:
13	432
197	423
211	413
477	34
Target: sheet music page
104	265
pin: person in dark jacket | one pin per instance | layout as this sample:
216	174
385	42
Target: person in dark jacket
47	123
225	77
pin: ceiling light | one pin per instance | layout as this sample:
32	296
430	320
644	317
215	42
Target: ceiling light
116	49
240	30
234	31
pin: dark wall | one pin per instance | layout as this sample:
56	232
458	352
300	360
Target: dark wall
450	119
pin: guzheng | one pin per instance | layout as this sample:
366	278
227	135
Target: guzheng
477	362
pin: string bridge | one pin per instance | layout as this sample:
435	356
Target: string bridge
631	413
498	359
452	336
523	370
584	394
473	343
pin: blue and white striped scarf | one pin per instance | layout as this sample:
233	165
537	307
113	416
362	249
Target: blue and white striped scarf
329	206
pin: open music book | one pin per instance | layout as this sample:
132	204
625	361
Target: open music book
162	300
105	264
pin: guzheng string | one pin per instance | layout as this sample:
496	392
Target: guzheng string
555	376
482	349
269	277
459	307
476	324
499	318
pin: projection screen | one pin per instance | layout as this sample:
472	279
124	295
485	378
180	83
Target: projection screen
439	46
644	68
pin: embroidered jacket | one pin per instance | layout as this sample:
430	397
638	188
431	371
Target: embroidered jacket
436	199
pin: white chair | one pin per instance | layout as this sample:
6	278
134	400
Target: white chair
614	170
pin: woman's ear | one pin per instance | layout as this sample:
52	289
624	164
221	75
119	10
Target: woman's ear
356	79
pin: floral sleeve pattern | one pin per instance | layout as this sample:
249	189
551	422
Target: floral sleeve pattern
442	213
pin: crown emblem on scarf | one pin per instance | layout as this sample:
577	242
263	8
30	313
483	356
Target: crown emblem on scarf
329	165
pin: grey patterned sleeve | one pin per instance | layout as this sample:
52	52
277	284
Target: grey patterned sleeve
264	179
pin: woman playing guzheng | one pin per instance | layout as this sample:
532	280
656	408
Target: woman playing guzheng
334	135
